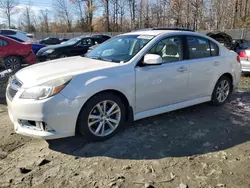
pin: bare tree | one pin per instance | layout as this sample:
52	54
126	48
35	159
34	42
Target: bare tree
90	9
8	8
63	11
197	12
132	6
44	20
106	13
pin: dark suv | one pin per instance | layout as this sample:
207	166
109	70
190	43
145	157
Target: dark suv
73	47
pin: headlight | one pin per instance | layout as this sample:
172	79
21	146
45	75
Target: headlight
49	51
47	89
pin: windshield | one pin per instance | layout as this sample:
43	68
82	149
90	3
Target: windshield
72	41
120	49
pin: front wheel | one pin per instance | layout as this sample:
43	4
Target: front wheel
221	91
101	117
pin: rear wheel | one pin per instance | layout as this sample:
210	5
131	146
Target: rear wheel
101	117
13	63
222	91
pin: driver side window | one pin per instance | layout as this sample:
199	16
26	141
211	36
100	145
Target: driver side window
86	42
170	49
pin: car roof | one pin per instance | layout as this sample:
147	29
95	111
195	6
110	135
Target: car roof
14	30
159	32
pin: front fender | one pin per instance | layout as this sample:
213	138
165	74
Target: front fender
85	86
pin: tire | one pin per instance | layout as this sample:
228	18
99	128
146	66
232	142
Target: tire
13	63
220	95
63	55
92	128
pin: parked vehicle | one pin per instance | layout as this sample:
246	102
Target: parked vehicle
223	38
129	77
92	47
16	53
238	44
244	55
50	41
63	40
73	47
35	47
15	33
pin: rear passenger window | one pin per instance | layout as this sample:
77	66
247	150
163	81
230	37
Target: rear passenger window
198	47
214	49
3	43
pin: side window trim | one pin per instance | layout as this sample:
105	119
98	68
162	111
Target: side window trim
211	42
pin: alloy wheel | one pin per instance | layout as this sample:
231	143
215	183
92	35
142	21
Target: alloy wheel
12	64
223	91
104	118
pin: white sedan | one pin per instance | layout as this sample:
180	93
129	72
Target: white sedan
129	77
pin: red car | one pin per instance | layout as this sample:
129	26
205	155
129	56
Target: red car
16	53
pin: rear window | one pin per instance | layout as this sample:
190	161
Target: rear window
7	32
199	47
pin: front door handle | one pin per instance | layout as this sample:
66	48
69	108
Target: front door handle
182	69
216	63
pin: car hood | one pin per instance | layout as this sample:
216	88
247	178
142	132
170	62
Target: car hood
54	47
44	72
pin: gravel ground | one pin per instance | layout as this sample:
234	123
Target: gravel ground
201	146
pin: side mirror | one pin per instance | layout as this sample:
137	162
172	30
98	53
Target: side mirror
152	59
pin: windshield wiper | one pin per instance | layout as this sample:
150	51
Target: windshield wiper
104	59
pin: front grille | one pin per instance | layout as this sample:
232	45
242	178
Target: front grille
13	88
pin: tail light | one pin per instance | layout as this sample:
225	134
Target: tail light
243	54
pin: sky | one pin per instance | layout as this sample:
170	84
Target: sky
36	5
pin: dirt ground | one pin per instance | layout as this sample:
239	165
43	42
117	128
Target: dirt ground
201	146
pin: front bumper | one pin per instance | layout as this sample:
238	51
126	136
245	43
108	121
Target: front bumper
45	57
58	115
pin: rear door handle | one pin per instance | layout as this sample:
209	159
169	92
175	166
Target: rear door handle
216	63
182	69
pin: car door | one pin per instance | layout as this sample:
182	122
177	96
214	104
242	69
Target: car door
204	66
165	84
81	47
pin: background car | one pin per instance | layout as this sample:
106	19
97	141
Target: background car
15	33
50	41
238	44
35	47
73	47
244	54
16	53
223	38
63	40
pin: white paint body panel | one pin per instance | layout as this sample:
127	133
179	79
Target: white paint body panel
150	90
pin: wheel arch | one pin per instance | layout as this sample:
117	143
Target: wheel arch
15	55
231	79
129	109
